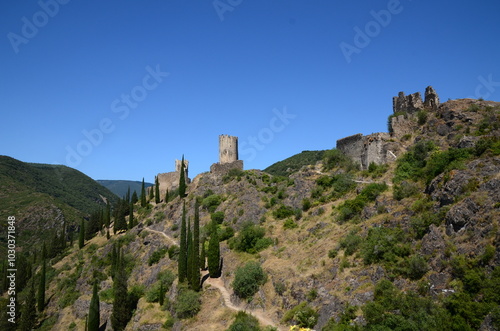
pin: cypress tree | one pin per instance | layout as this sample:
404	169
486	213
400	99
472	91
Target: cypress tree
107	215
196	249
213	253
127	197
182	264
134	198
41	284
143	194
203	255
131	217
94	318
157	190
167	196
120	313
114	260
182	180
190	254
81	235
151	193
28	310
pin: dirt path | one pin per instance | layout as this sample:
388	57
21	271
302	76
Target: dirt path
219	284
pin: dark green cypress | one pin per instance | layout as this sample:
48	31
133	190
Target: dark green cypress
167	196
157	190
143	194
151	193
131	217
213	254
94	318
120	313
28	310
134	198
196	249
182	263
182	180
81	235
203	256
41	284
190	254
161	294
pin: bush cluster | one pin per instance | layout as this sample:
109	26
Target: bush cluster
351	208
248	279
250	239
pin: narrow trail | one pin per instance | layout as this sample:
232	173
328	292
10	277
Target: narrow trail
226	295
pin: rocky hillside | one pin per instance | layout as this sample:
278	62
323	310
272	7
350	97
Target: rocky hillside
411	245
42	197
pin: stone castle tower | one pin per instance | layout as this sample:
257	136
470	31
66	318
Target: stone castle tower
228	149
228	156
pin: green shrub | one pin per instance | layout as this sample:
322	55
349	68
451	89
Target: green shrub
173	252
302	315
306	204
290	224
416	267
279	287
422	117
248	279
157	256
334	158
410	164
332	253
250	239
188	303
405	189
217	217
283	212
244	322
384	244
350	243
226	233
211	202
420	223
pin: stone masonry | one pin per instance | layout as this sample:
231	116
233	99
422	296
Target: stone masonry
378	147
228	156
170	180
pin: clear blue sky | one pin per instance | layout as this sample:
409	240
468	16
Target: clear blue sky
152	80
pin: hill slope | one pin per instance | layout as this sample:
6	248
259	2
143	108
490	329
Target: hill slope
293	164
413	244
120	187
43	196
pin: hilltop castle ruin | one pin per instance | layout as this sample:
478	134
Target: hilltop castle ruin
378	147
170	180
228	155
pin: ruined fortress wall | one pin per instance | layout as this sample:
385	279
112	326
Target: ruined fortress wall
223	168
365	149
170	180
228	149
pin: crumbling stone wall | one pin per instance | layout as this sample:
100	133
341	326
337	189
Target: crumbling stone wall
170	180
364	150
223	168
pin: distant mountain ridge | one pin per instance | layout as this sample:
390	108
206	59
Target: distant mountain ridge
120	187
294	163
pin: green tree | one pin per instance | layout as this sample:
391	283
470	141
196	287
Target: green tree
182	180
134	199
190	254
120	314
107	215
157	190
203	255
143	194
131	217
94	319
28	310
248	279
213	253
182	263
151	193
167	196
81	235
245	322
41	284
195	272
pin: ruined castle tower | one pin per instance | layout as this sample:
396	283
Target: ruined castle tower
228	149
228	156
178	164
431	98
